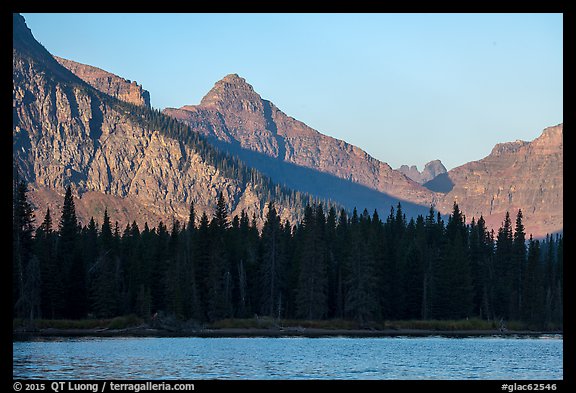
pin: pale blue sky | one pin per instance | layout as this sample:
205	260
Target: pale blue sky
407	88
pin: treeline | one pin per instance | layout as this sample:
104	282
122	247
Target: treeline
332	265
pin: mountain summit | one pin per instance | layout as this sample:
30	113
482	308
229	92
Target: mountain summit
431	170
236	118
232	89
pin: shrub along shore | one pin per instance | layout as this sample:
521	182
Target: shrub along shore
132	326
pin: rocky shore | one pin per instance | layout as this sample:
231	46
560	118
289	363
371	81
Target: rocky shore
144	331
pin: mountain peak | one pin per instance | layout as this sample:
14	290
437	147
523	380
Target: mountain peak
233	78
430	171
231	88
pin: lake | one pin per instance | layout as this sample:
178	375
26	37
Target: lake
290	358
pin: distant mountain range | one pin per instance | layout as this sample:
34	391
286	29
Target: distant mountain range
430	171
71	126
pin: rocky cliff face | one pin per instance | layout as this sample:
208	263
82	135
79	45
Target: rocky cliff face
516	175
108	83
66	132
430	171
233	113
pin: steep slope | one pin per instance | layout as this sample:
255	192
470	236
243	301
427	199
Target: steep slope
135	161
431	170
235	116
516	175
108	83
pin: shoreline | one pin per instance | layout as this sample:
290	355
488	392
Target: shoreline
19	335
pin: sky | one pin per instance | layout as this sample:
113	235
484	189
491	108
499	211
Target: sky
406	88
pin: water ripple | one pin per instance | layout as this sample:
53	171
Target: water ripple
290	358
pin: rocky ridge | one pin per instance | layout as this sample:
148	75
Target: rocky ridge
515	175
430	171
108	83
66	132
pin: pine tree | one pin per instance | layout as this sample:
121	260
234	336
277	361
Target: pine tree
273	264
70	262
532	310
144	291
341	249
45	249
332	256
192	309
174	279
414	270
311	289
482	269
202	257
219	274
26	269
558	314
159	265
90	252
453	291
361	297
503	270
131	257
518	267
104	294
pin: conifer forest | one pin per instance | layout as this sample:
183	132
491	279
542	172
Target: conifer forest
332	265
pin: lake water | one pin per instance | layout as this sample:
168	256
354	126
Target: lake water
290	358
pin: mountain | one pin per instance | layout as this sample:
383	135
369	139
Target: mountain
96	131
515	175
108	83
136	162
526	175
430	171
237	119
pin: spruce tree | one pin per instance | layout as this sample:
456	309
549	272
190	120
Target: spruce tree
332	255
190	266
503	270
175	276
533	294
413	271
144	291
26	269
311	289
104	294
202	249
453	286
518	267
45	249
482	269
342	252
219	274
70	262
361	300
272	268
